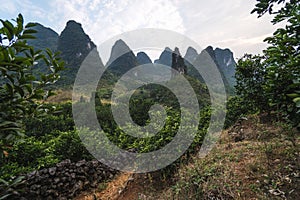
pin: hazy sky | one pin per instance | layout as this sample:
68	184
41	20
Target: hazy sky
219	23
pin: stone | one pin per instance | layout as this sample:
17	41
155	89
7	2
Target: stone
52	171
65	180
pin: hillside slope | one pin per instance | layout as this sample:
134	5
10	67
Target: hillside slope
253	160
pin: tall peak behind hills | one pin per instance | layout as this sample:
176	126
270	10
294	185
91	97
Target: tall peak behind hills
143	58
191	54
74	45
165	57
121	58
118	49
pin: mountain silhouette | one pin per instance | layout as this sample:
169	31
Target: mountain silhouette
165	57
143	58
122	59
74	45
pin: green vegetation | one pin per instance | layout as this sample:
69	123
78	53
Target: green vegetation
36	135
20	90
257	157
270	82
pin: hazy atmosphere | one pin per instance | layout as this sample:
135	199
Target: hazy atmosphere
224	24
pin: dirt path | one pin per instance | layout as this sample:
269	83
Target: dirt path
135	189
125	186
112	190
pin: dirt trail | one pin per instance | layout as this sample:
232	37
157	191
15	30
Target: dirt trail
112	191
125	186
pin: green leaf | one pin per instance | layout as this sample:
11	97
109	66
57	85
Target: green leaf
20	44
29	31
30	24
297	101
27	36
8	123
293	95
9	88
11	129
5	196
20	22
9	26
7	33
20	19
20	91
17	180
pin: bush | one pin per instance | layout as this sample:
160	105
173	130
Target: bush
35	153
236	108
68	145
59	120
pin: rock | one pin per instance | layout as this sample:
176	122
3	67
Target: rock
122	58
32	174
238	138
56	180
65	180
44	190
52	171
277	161
73	175
178	62
80	163
244	118
34	187
63	163
78	186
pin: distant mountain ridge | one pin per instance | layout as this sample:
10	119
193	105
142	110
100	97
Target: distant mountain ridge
143	58
74	45
191	54
122	58
45	38
223	59
165	57
227	64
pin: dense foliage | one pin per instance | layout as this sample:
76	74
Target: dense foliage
271	82
21	92
19	88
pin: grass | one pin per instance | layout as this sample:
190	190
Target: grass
264	165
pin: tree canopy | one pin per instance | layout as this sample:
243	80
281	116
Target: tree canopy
21	92
271	82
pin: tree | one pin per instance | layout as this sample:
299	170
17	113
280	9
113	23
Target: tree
22	93
281	60
250	79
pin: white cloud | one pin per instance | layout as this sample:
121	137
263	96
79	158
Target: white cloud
7	6
103	19
226	24
28	8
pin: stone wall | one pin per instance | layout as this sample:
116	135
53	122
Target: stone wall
65	180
